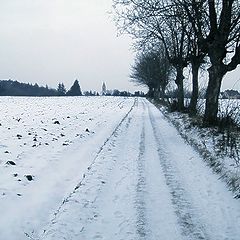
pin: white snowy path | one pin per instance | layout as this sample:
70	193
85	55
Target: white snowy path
146	183
142	182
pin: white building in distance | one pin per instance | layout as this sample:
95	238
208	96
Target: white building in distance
104	89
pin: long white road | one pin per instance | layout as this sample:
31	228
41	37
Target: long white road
146	183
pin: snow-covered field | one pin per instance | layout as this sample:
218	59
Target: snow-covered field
55	155
104	168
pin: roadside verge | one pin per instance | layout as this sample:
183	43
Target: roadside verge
207	142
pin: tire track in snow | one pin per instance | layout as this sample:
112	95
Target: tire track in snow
190	224
109	141
141	224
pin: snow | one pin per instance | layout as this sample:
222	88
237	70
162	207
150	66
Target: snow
55	168
205	209
218	148
114	168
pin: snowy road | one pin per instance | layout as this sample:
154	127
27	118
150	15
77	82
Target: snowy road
146	183
143	183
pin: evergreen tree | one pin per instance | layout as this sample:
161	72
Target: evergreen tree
61	89
75	90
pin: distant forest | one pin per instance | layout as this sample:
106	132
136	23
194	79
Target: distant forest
15	88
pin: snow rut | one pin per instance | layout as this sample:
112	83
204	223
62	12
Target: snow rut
135	190
141	189
81	213
187	217
120	197
203	206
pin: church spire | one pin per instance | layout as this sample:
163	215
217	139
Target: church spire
104	89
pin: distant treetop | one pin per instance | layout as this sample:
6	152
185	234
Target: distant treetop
61	89
75	90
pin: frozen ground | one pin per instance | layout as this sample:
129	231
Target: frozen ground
113	168
219	148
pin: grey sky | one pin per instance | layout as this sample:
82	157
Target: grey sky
51	41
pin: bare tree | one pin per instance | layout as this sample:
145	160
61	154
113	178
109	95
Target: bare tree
152	69
155	21
216	24
196	59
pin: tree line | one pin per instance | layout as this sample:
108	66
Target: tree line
170	35
15	88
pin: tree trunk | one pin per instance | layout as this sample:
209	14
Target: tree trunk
163	94
150	92
179	82
156	93
195	90
215	79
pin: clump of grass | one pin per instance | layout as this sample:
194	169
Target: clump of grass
229	128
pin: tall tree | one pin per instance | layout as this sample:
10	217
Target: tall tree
155	21
216	24
75	90
152	69
196	59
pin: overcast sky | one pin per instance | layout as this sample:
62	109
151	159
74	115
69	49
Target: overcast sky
51	41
